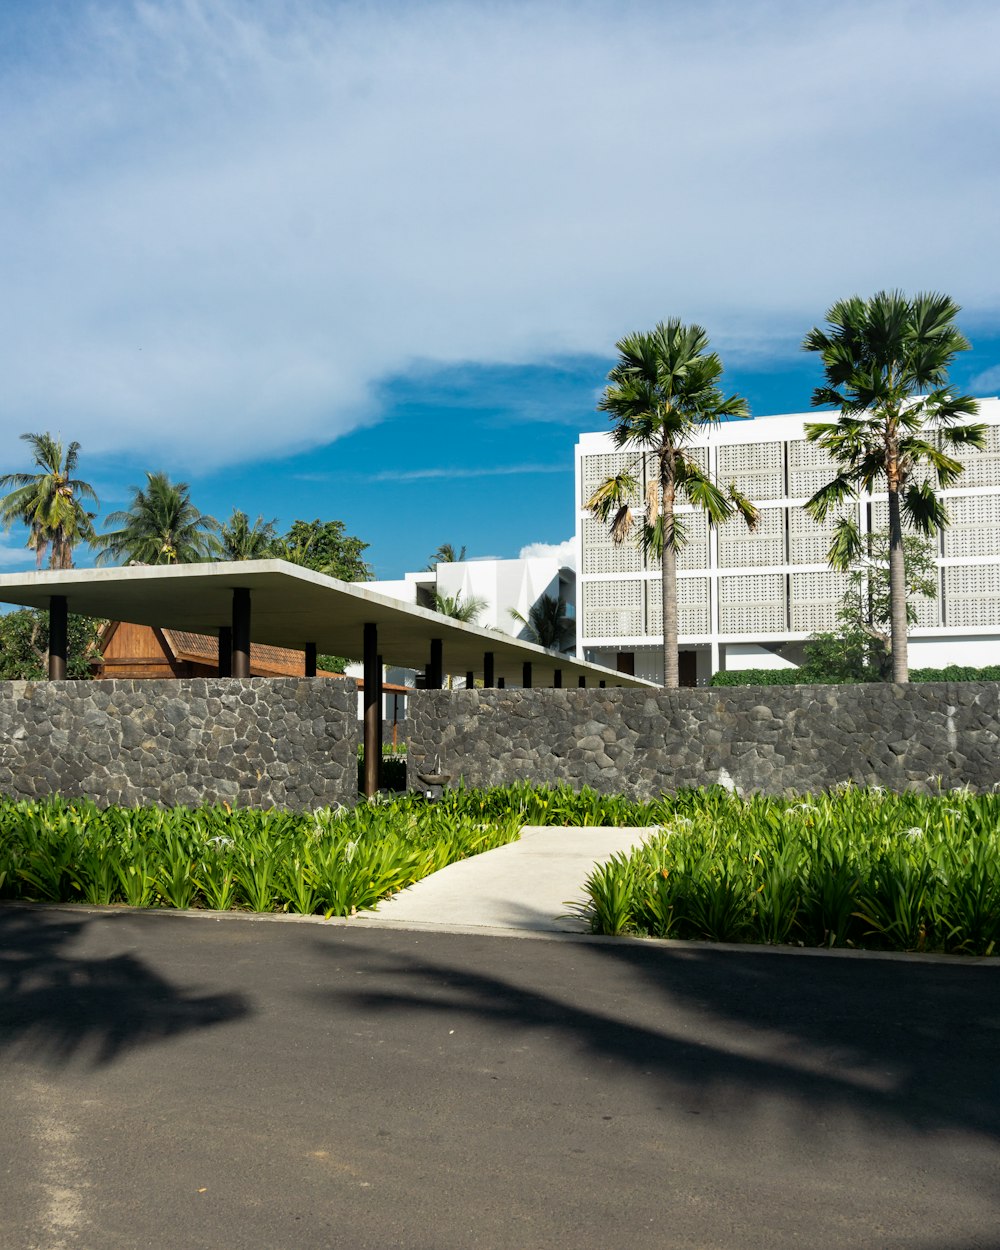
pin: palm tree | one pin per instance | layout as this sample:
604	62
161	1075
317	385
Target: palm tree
49	502
546	623
162	526
446	554
886	362
242	541
661	392
459	609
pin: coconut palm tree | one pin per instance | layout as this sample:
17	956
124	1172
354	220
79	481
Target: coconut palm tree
661	392
886	363
49	502
242	541
445	554
546	623
162	526
459	609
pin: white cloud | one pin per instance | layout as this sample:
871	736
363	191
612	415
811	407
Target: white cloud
223	225
986	383
455	473
564	552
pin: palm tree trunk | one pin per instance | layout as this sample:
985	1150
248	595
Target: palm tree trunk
897	590
668	567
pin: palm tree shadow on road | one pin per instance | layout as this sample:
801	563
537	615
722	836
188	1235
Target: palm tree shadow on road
902	1045
61	1006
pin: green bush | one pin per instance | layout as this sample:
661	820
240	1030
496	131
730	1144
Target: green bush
858	868
802	676
762	677
331	861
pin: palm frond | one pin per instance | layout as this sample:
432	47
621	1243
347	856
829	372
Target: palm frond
612	494
922	508
847	545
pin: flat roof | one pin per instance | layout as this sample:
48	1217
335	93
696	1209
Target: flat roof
290	607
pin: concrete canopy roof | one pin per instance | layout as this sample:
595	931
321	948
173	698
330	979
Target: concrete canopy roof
290	607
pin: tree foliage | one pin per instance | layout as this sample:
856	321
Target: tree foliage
446	554
886	363
242	541
161	526
860	648
50	503
660	393
324	547
468	610
547	623
24	645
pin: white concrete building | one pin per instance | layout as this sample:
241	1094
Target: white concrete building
500	584
750	600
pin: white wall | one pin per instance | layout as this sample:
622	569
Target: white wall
940	652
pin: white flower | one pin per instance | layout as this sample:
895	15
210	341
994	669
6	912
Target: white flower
803	807
914	832
219	840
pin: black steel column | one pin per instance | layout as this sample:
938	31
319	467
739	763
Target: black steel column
58	637
310	659
437	664
488	677
526	675
372	746
470	680
602	684
225	651
381	713
582	681
500	683
557	679
241	633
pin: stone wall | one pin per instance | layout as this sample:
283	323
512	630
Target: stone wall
261	742
772	739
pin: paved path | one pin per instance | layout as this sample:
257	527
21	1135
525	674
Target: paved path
528	885
196	1083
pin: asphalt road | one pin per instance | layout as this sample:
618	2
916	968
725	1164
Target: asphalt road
176	1082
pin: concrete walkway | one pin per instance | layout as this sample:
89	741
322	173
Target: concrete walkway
529	885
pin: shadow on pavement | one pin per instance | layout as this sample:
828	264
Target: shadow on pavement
910	1044
59	1005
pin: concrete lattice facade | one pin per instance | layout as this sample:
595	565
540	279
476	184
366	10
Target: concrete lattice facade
749	600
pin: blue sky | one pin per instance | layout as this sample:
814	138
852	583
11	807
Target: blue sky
369	261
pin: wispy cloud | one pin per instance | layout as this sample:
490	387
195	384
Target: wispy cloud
986	382
461	471
224	225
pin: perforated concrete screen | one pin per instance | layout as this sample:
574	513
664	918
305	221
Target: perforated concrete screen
596	469
758	469
809	468
741	547
972	594
814	599
694	554
753	603
776	581
974	528
809	540
982	468
692	606
613	609
600	555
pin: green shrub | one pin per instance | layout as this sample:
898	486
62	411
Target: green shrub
802	676
332	861
761	677
855	868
